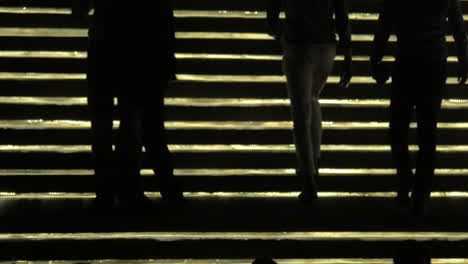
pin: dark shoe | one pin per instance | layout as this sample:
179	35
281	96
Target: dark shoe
308	195
264	260
406	186
420	201
136	202
102	205
175	198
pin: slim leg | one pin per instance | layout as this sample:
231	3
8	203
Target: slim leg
401	109
100	105
129	146
299	80
155	141
323	59
427	112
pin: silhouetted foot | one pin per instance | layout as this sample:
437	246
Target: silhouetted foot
406	185
102	205
403	197
175	198
420	201
307	196
264	260
136	202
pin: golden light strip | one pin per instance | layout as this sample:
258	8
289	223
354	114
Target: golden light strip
183	13
177	13
181	56
35	10
233	148
329	172
39	124
43	54
41	76
215	195
236	261
215	56
224	102
83	33
23	76
200	236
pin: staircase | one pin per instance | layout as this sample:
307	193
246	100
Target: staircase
230	130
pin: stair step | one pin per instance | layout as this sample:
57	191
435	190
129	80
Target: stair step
214	89
360	184
258	137
67	39
61	159
236	227
185	66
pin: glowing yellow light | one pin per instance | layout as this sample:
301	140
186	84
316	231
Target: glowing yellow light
304	236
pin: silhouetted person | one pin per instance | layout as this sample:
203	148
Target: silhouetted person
131	56
412	252
309	47
419	78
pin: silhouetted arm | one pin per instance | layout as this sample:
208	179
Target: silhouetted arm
273	19
343	29
455	18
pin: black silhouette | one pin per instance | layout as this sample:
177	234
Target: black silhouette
412	252
309	47
419	78
131	56
264	260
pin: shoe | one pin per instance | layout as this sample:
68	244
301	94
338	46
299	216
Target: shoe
264	260
420	201
102	205
307	197
175	198
406	186
309	193
136	202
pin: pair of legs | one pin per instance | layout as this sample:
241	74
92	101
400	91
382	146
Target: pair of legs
307	67
141	108
417	87
142	124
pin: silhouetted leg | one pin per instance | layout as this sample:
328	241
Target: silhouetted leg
100	103
427	111
401	109
323	59
128	147
155	141
299	74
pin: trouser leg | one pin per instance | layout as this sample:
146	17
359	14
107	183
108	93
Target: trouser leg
324	59
299	82
427	113
401	109
129	145
155	140
100	105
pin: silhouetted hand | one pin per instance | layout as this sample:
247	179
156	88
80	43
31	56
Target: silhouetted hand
462	73
346	76
380	72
